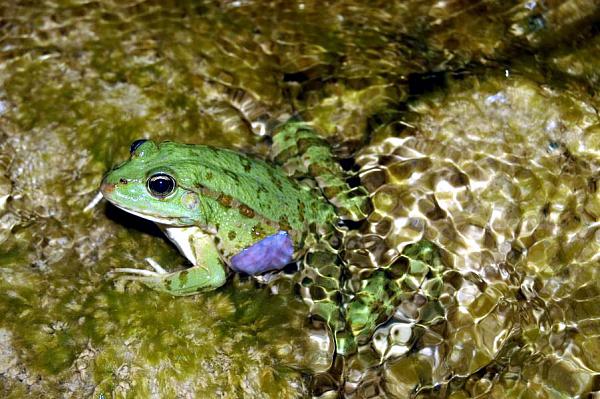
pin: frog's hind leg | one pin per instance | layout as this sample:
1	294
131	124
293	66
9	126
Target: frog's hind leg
301	151
207	274
320	287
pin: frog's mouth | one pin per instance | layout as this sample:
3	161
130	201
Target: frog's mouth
152	218
107	190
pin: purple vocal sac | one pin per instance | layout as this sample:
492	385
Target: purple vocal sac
270	253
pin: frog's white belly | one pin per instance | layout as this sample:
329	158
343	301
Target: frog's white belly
182	238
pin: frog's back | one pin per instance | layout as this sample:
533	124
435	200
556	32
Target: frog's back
253	183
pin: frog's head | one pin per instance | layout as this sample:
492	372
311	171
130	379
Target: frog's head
152	184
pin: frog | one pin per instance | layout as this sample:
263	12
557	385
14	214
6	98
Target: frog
229	212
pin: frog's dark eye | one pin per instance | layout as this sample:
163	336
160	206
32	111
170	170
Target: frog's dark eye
161	185
135	145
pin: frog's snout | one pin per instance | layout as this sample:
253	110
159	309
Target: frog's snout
107	188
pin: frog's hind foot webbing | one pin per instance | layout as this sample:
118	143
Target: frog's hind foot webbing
302	152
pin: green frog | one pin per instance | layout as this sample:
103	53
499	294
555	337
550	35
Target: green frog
227	211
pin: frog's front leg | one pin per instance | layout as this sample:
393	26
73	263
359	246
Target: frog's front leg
207	273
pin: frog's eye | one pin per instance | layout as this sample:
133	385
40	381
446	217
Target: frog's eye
161	185
135	145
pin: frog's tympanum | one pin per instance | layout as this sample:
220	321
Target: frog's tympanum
228	211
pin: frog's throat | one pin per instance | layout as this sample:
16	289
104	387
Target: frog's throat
179	222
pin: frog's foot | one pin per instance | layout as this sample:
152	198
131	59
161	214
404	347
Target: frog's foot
352	204
345	344
268	278
183	282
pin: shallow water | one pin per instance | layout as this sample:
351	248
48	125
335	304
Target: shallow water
472	124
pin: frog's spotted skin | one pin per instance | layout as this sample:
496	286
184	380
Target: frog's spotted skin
237	199
225	210
301	152
417	271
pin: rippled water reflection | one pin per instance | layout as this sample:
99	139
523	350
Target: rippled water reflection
501	178
473	125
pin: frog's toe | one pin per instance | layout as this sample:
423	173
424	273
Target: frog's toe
126	272
152	278
156	266
130	273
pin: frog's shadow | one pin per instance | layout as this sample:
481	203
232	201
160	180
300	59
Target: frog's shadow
130	221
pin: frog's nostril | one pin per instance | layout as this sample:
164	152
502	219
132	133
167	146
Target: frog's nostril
107	188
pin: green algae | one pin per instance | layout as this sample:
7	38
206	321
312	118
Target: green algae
135	330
